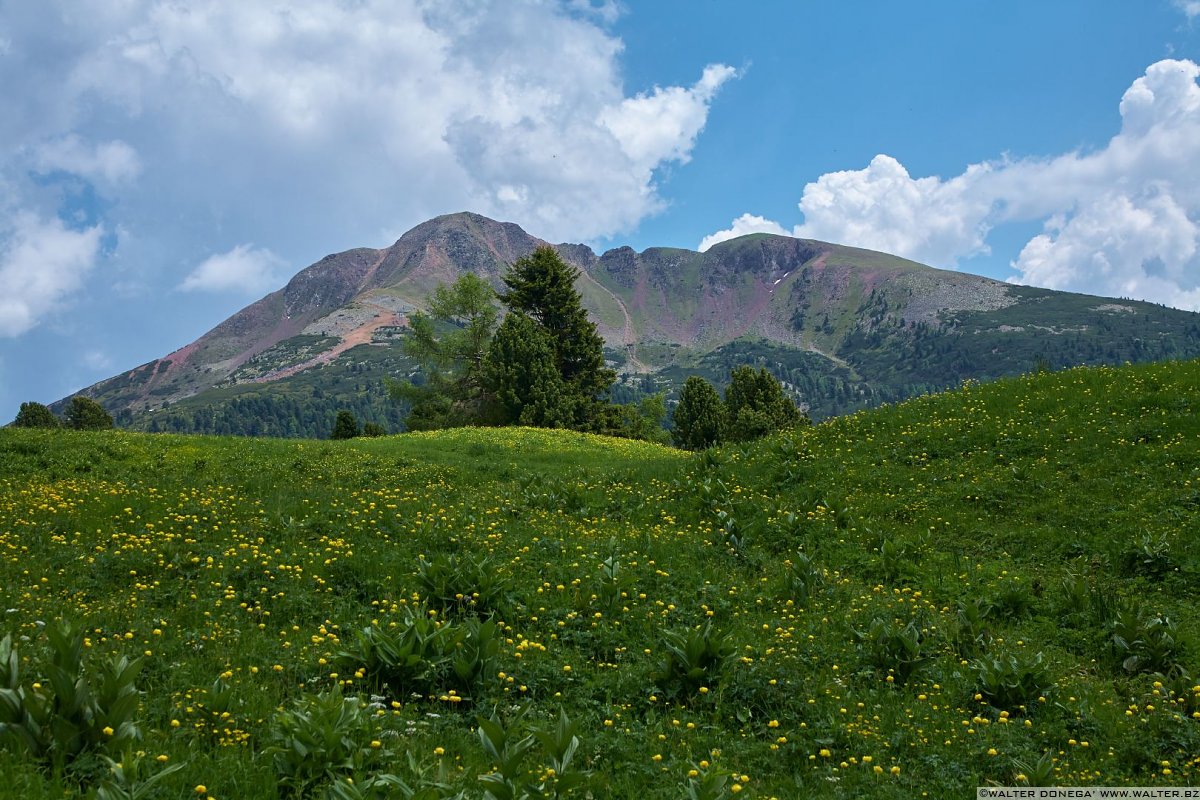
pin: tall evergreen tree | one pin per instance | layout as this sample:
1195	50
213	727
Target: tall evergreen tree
35	415
542	286
524	381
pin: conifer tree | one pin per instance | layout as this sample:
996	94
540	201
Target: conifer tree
521	373
756	405
345	426
449	343
699	417
85	414
542	286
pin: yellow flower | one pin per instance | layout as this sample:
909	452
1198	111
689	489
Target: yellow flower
895	770
201	788
825	752
108	731
439	751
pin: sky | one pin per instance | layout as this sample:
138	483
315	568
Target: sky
164	163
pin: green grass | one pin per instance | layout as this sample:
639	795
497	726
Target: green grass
730	618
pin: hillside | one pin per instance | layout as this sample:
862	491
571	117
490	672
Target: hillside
843	328
995	584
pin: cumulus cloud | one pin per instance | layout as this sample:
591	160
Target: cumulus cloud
113	162
1120	220
662	125
883	208
245	269
743	225
41	263
356	116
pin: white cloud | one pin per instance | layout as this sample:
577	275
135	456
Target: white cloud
607	11
113	162
343	119
743	225
1119	246
41	263
663	125
883	208
1119	220
1189	7
245	269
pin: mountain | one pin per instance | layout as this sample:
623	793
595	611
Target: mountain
843	328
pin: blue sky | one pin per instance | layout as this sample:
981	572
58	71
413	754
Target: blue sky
163	164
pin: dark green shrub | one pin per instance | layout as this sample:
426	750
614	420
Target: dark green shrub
35	415
85	414
345	426
699	419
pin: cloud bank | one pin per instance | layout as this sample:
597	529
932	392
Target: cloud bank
1121	221
180	128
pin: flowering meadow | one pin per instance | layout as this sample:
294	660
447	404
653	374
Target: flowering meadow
992	585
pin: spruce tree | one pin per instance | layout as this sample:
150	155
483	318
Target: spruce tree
521	374
542	286
699	417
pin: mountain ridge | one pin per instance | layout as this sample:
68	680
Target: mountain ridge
843	327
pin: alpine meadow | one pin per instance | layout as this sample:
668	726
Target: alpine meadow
992	585
599	400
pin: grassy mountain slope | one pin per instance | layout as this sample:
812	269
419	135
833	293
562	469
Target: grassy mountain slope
919	598
844	328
